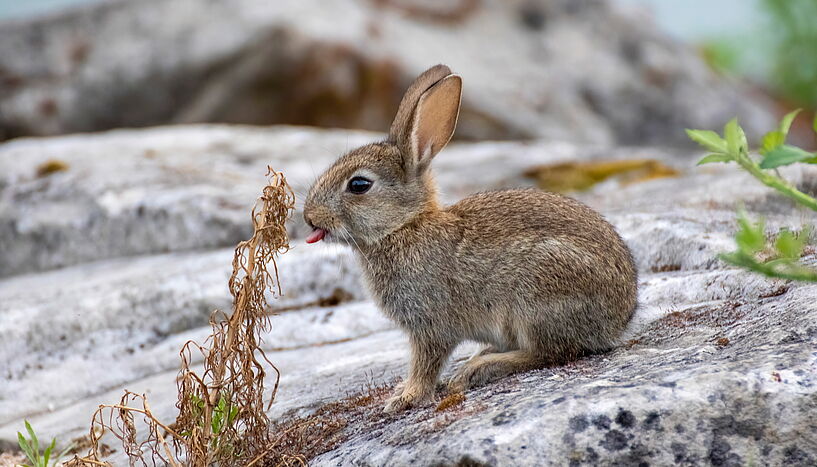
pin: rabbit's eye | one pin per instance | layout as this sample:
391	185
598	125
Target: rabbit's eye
359	185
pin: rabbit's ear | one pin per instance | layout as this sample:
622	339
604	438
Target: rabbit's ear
435	120
427	116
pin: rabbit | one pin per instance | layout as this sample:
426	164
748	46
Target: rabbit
539	277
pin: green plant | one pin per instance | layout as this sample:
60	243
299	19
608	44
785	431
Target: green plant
31	448
781	258
224	415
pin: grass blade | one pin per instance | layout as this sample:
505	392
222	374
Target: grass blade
26	447
47	453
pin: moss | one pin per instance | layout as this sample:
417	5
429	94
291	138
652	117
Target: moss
665	268
577	176
452	400
51	166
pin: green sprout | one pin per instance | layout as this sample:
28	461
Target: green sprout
31	448
785	251
223	417
787	248
732	147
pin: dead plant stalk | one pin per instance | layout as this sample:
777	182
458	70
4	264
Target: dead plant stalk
222	415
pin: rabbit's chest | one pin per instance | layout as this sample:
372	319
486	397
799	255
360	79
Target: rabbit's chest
410	296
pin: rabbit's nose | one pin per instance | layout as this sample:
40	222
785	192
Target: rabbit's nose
316	216
308	216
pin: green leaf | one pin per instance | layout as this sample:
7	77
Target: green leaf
26	447
785	155
715	158
732	134
47	453
751	238
785	124
215	424
708	139
787	245
790	245
744	143
196	400
218	414
35	444
233	415
771	140
814	125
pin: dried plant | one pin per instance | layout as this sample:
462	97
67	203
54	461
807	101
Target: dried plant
222	416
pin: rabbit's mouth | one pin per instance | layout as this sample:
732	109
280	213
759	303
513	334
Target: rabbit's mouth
316	235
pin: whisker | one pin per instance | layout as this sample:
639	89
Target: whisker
357	245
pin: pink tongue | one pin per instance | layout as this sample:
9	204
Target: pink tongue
316	236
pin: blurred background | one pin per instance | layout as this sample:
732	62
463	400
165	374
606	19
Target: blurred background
115	246
618	71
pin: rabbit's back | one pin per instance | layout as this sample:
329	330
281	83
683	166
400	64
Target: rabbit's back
522	212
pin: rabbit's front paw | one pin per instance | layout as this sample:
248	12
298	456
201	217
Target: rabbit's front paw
397	403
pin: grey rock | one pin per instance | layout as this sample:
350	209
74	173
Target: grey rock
110	322
719	364
130	192
582	71
152	191
675	398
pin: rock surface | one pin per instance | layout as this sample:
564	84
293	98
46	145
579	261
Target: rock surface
719	368
525	63
166	189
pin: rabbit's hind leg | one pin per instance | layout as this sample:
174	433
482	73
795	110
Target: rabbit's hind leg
482	369
488	349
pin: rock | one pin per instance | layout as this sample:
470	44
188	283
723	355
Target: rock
720	412
118	320
130	192
124	193
566	70
718	367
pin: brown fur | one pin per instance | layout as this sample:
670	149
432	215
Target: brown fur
539	277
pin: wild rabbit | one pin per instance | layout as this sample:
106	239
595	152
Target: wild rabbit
539	277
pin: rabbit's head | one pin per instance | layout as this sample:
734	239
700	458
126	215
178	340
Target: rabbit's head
374	190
